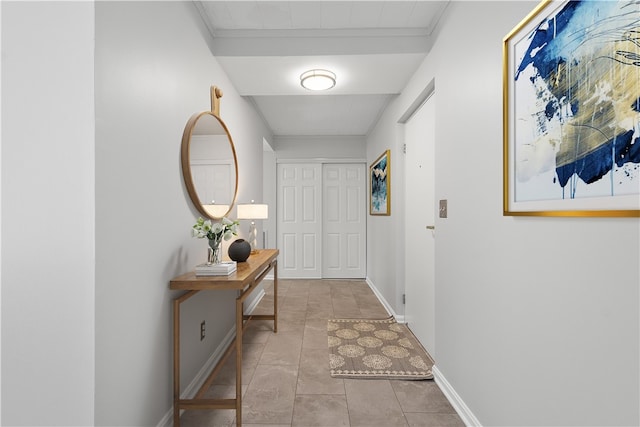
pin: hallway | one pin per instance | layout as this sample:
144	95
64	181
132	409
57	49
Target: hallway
286	379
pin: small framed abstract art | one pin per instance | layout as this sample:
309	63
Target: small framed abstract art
571	110
380	184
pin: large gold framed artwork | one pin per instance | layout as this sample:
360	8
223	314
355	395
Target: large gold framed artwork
571	114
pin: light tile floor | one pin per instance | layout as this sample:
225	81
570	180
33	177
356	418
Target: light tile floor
286	379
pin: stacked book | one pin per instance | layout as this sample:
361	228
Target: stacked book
224	268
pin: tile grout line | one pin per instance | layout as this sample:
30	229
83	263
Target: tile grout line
295	393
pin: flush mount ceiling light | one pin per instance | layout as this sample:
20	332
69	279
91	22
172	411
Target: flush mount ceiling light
318	79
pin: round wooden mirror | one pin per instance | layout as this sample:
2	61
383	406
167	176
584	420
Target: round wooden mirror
209	164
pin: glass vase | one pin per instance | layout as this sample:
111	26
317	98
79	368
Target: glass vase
214	252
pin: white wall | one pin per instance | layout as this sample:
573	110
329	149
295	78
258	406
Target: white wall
537	319
153	70
88	341
0	224
319	147
47	214
385	234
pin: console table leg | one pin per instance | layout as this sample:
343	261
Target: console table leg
239	327
275	296
176	363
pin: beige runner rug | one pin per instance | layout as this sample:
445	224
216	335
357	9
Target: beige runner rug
383	348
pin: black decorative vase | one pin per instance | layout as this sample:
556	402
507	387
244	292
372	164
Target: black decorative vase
239	250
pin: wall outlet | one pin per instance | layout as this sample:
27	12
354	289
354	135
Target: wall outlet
202	330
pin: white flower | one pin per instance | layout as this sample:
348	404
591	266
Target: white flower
224	229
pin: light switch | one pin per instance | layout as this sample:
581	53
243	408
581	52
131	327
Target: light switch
443	209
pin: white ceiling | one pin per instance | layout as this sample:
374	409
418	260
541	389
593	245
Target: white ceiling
374	47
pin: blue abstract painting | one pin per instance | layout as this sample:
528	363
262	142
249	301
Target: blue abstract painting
380	186
575	77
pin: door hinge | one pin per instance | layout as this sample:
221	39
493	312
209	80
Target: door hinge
404	298
404	148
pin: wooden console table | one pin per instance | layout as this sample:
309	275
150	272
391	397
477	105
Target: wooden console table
245	280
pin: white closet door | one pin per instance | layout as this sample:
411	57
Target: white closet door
344	221
299	220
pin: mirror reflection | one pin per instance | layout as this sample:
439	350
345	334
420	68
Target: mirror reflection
212	165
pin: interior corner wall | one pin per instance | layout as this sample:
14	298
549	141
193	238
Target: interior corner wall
153	71
47	214
269	196
537	319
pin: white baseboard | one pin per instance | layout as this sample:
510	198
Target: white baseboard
456	401
203	373
399	318
468	418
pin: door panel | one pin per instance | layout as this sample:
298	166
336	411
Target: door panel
344	221
310	258
310	204
299	220
289	252
420	213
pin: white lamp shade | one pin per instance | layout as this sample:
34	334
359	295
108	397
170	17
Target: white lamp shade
216	211
253	211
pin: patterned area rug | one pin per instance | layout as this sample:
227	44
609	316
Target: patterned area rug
363	348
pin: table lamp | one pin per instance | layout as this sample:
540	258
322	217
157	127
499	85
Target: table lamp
252	212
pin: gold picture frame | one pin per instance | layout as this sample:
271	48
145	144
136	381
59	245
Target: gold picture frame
380	185
571	109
